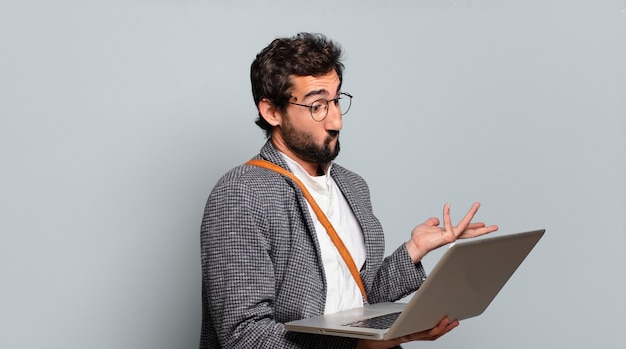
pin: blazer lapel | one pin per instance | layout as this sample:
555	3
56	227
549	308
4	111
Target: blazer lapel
356	204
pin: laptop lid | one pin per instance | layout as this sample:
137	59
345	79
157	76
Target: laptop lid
461	285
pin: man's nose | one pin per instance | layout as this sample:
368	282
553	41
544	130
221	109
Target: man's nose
334	118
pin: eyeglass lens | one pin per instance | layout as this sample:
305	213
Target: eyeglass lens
319	109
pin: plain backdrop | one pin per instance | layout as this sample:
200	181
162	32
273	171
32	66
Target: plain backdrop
118	117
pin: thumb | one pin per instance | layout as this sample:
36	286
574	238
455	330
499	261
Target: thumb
432	221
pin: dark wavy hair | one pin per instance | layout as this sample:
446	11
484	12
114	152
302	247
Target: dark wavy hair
301	55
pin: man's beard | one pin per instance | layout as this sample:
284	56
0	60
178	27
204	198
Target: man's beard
302	144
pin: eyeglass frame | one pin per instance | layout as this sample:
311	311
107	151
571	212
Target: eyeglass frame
334	100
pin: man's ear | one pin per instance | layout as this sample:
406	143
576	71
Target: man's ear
270	113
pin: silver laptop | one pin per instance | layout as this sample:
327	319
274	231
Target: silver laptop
463	283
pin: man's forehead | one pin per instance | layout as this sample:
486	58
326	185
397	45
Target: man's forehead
310	85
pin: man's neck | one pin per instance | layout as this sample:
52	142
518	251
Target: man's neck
320	170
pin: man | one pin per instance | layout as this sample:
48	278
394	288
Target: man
266	258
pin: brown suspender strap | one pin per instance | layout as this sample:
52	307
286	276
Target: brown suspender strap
343	251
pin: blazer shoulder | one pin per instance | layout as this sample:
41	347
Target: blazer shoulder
254	178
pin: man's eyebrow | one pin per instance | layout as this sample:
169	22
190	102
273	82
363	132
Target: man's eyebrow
316	93
322	91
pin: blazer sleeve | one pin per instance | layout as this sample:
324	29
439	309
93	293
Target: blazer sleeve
397	277
239	276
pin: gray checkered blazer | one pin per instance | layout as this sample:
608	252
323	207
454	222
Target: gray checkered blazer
261	261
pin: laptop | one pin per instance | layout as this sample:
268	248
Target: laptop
461	285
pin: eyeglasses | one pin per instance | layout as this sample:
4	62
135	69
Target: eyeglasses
319	108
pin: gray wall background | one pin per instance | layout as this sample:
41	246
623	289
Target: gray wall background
118	117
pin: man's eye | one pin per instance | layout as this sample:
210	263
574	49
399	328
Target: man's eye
315	107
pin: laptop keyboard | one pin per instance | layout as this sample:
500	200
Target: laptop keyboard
381	322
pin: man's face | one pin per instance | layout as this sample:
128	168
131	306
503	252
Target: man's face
309	140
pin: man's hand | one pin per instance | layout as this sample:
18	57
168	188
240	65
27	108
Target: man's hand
442	328
429	236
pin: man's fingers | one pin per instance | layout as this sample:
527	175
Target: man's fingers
469	233
465	222
476	225
447	222
443	327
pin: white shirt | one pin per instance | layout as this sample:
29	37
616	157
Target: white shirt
342	292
